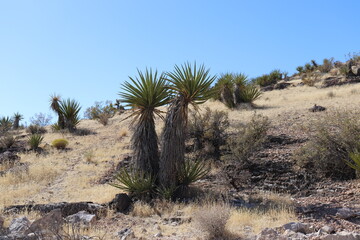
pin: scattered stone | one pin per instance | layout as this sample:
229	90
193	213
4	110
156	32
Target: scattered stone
81	217
268	233
345	213
327	229
317	108
121	202
19	225
298	227
281	85
49	224
159	234
126	234
355	70
344	235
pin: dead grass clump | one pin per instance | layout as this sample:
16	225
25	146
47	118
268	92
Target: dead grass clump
142	209
211	218
331	139
331	94
123	132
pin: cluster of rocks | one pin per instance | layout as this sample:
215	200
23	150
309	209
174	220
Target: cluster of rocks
302	231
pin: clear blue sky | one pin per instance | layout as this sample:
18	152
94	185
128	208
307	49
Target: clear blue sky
86	49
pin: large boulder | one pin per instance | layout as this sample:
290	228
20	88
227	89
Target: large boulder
355	70
121	202
49	224
81	218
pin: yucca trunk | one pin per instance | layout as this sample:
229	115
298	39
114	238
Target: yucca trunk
237	95
173	142
227	97
16	123
145	145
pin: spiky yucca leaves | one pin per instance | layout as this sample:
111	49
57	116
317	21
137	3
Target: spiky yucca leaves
17	118
193	171
5	124
70	109
34	141
145	93
224	88
250	93
239	84
134	182
355	163
190	85
55	101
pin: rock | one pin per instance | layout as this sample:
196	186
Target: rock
298	227
355	70
49	224
317	108
121	202
126	234
342	236
19	225
81	217
345	213
327	229
288	234
8	157
267	234
281	85
159	234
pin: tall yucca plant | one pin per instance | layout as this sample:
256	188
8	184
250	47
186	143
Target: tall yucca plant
70	110
145	93
17	118
190	85
240	83
224	88
55	101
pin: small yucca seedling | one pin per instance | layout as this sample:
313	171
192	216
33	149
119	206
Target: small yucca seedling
35	140
60	143
250	93
137	183
193	171
166	193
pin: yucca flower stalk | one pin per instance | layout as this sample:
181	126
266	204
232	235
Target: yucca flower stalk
145	93
190	85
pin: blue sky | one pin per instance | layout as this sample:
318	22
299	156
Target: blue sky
86	49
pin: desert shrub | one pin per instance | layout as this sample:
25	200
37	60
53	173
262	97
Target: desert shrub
355	162
308	67
7	141
36	129
310	78
135	183
5	124
248	139
41	119
344	69
314	63
331	140
268	79
193	171
209	128
59	143
211	219
300	69
327	65
101	112
34	141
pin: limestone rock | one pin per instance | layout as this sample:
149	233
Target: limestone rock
345	213
344	235
49	224
298	227
126	234
19	225
81	217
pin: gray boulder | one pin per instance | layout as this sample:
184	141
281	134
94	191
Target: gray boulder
345	213
81	218
19	225
344	235
298	227
49	224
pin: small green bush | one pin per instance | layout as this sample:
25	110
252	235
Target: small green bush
268	79
34	141
300	69
248	139
327	65
355	162
331	140
102	112
60	143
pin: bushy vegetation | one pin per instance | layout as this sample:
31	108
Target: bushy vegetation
34	141
5	124
7	141
331	140
208	131
233	89
41	119
36	129
248	139
268	79
101	112
60	143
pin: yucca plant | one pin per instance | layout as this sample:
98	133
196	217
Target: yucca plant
224	89
145	93
239	84
250	93
34	141
70	110
55	106
5	124
192	172
134	182
7	141
190	85
17	118
355	163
